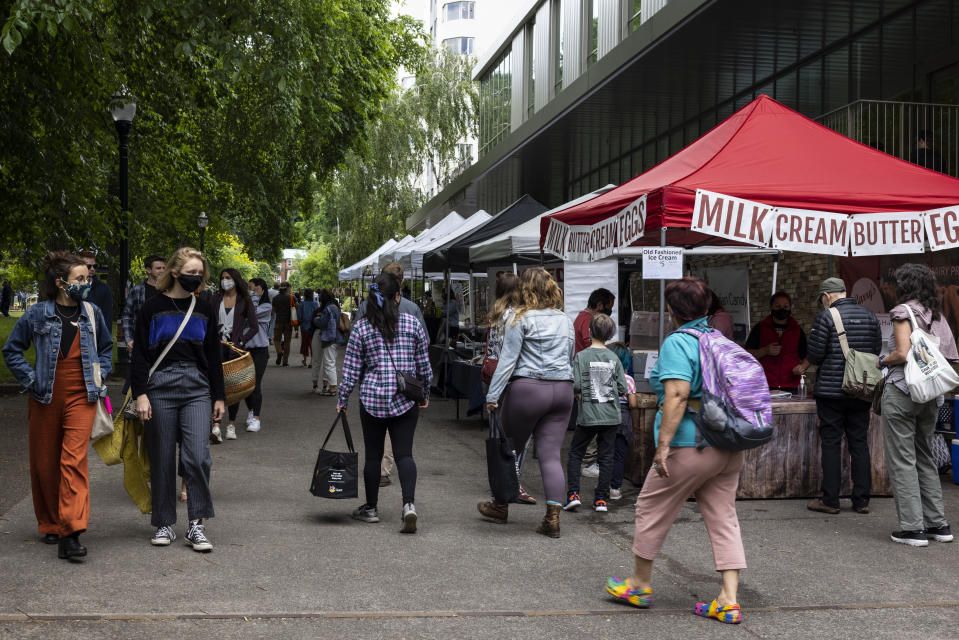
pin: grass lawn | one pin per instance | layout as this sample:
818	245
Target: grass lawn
6	326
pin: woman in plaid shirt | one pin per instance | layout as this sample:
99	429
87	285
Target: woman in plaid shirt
383	333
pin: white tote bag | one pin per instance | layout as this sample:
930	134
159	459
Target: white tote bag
928	373
103	422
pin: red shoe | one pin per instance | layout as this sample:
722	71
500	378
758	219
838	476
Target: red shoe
525	498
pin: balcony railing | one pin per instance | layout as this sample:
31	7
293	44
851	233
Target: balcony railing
896	128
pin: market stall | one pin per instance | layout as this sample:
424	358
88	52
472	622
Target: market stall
766	178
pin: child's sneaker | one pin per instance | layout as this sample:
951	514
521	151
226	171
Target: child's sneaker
572	501
621	590
615	494
600	505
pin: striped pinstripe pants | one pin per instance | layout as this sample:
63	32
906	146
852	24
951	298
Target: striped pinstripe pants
180	399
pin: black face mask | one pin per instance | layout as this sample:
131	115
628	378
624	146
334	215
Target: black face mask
781	314
190	283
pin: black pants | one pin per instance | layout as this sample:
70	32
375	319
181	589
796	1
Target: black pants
605	445
838	416
401	430
254	401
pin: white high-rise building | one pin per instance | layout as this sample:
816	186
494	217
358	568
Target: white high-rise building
465	27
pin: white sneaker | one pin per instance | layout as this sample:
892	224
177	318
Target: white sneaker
254	425
230	432
409	518
249	418
216	436
592	471
615	494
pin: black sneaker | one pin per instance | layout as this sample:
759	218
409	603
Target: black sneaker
912	538
366	513
196	537
940	534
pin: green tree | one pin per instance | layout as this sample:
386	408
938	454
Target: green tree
316	270
244	107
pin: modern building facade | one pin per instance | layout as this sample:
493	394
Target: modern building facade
576	94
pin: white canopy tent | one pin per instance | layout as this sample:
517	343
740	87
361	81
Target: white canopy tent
412	256
441	229
355	270
524	239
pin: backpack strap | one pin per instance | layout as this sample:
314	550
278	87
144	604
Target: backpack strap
841	330
696	333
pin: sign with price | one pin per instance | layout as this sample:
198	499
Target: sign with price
662	263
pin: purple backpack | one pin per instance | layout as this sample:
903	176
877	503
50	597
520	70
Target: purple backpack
736	412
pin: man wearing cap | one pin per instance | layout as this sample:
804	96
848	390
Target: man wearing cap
839	413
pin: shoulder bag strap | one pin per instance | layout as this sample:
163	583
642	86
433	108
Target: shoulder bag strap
97	378
341	415
169	345
912	318
841	330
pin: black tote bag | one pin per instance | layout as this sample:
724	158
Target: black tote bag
501	463
336	474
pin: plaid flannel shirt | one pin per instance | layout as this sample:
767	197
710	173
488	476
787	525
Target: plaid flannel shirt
135	300
367	361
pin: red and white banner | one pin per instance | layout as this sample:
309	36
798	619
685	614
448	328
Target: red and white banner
589	243
736	219
942	228
810	231
879	234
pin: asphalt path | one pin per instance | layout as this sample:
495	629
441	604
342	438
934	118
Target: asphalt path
287	564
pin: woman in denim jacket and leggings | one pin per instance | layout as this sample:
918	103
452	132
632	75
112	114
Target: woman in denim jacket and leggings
536	364
63	397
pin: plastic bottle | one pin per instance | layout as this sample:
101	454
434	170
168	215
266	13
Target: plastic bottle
802	387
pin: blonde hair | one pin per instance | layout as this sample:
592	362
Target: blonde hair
538	290
175	263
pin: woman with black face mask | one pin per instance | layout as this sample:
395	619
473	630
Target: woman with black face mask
69	337
779	343
177	380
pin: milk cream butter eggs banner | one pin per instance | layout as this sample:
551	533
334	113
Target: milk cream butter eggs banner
823	232
588	243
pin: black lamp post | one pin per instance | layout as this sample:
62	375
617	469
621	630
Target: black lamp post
202	221
123	107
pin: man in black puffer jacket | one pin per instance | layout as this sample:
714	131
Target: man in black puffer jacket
839	413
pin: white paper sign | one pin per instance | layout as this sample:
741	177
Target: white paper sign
651	358
942	228
589	243
810	231
662	263
874	234
733	218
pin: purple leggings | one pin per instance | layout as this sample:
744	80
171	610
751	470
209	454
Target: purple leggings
541	408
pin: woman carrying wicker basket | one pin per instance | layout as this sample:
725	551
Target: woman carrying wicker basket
237	324
177	380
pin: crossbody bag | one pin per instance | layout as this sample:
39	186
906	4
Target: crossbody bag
407	385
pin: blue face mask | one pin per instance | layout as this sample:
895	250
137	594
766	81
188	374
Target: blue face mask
76	291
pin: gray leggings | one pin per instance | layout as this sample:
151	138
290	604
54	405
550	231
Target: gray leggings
540	408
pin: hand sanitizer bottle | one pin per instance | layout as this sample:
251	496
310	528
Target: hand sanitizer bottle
802	387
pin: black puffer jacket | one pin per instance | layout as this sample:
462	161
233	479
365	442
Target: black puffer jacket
862	332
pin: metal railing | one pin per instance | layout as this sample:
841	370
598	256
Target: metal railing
926	134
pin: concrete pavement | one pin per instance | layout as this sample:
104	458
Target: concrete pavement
287	564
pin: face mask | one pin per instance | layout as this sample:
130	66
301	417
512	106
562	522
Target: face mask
226	285
190	283
78	292
781	314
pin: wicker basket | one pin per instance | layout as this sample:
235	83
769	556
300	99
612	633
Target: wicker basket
239	375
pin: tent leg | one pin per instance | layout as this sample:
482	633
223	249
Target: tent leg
514	269
662	293
775	273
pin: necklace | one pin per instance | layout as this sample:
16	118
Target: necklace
72	318
177	304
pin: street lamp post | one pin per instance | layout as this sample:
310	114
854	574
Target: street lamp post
123	107
202	221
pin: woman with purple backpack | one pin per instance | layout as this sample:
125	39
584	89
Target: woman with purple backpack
679	469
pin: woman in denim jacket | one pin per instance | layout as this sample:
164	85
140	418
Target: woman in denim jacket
536	364
63	397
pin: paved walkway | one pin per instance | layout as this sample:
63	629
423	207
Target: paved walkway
287	564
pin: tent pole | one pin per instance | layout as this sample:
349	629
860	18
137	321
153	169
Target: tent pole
775	272
472	308
514	269
662	293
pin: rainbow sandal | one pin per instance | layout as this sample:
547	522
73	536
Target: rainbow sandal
730	613
621	590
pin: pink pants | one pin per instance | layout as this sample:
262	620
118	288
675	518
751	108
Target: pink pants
712	477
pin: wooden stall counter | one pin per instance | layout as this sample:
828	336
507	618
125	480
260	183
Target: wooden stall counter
786	467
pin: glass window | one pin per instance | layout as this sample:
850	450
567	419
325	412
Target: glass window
463	46
559	29
495	95
633	13
459	11
593	48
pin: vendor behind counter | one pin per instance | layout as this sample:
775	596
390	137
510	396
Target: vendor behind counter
779	343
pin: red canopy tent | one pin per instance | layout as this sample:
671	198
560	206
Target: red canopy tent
770	154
